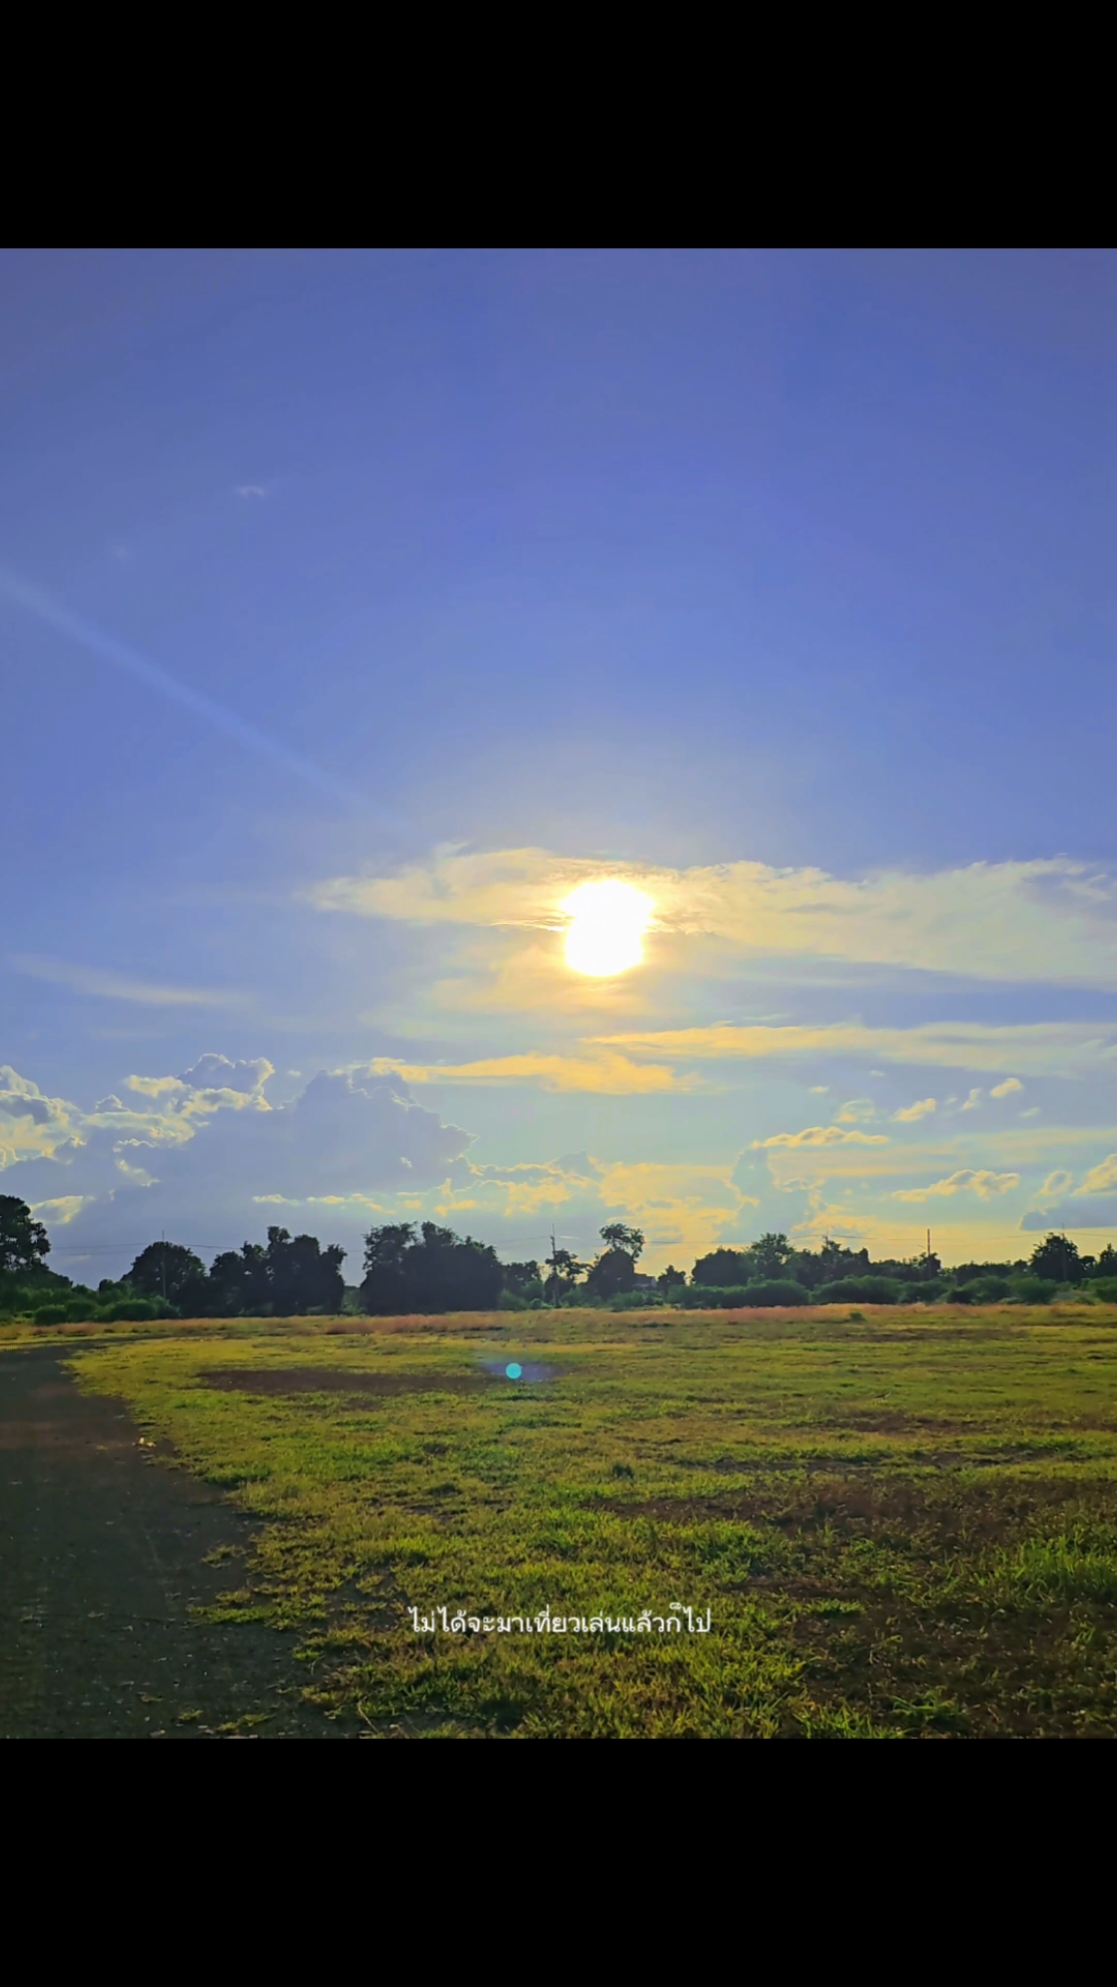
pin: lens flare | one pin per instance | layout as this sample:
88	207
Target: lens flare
607	925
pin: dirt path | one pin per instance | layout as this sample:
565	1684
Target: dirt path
101	1555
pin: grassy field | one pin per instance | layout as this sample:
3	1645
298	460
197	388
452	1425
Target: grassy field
900	1524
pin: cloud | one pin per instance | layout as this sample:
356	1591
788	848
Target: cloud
1052	1048
915	1111
1006	1088
210	1155
608	1074
1058	1182
251	490
1100	1178
982	1183
118	986
62	1210
1099	1213
819	1135
858	1111
1050	920
973	1100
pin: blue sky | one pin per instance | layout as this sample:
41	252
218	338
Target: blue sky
353	608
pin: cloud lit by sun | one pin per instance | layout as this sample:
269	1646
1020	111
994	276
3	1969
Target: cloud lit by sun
608	920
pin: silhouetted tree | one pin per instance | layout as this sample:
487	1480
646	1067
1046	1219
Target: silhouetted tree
24	1242
166	1269
523	1279
434	1271
1057	1259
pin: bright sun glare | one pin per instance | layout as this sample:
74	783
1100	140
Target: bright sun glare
607	925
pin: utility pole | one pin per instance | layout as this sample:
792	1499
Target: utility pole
163	1261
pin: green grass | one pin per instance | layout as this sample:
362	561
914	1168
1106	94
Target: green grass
903	1524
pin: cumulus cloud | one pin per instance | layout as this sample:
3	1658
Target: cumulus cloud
973	1100
819	1135
981	1182
1006	1089
914	1112
858	1111
1101	1177
1042	920
207	1152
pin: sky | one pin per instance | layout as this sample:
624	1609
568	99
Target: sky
357	609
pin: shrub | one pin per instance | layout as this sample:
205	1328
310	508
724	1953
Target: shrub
1105	1287
861	1290
635	1300
510	1300
1031	1290
734	1297
132	1310
51	1314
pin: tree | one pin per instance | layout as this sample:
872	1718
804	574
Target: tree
615	1269
768	1256
523	1280
617	1235
434	1271
1057	1260
237	1285
166	1269
24	1242
721	1269
671	1278
565	1270
301	1275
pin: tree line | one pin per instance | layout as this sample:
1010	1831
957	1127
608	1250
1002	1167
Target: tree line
425	1268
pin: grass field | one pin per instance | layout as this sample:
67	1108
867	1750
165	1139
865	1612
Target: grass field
901	1524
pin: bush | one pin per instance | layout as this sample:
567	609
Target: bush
729	1297
862	1290
1105	1287
1031	1290
510	1300
988	1290
636	1300
133	1310
51	1314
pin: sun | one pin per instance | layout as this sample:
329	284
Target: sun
607	925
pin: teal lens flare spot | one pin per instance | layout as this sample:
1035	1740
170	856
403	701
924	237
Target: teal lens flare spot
514	1372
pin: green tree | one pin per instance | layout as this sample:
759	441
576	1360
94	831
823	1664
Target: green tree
166	1269
564	1270
614	1272
671	1278
24	1242
523	1280
768	1256
1057	1260
433	1271
617	1235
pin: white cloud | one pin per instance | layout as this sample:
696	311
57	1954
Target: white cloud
1043	920
62	1210
1007	1088
1051	1048
973	1100
819	1135
859	1110
980	1182
1100	1178
914	1112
